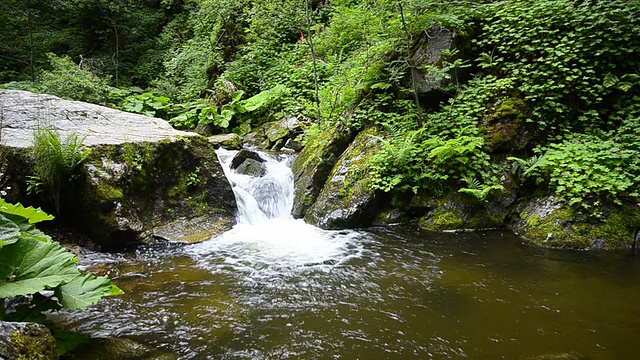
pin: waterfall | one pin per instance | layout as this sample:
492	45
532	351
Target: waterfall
266	237
261	198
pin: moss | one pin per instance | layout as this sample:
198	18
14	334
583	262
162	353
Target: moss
32	344
108	193
567	228
504	124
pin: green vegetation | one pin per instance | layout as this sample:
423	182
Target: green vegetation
55	162
554	80
38	271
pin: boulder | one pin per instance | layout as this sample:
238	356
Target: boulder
23	340
278	132
314	164
344	201
143	180
292	145
251	167
428	52
243	155
256	140
557	225
226	141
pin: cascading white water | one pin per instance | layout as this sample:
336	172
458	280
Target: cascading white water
262	198
267	237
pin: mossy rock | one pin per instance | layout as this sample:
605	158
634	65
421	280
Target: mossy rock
226	141
313	166
117	349
506	128
133	193
557	225
345	200
459	211
26	341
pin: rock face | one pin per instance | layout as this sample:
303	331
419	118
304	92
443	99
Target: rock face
343	201
429	52
19	340
551	224
143	180
314	164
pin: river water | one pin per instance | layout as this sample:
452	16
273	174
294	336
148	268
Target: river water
275	288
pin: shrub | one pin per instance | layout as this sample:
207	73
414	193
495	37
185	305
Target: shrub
71	81
55	161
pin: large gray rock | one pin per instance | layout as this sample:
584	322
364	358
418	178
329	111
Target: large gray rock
344	201
23	112
314	164
428	53
143	181
22	340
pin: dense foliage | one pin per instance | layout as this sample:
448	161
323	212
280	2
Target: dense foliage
564	71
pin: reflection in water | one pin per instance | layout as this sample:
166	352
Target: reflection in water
282	289
384	294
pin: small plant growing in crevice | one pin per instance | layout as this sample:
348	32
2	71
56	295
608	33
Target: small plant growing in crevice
55	162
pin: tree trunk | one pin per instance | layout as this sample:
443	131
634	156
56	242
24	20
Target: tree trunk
313	57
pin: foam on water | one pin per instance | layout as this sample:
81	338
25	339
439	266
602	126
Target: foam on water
267	238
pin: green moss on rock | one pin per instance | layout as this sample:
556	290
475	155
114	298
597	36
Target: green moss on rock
561	226
26	341
345	200
313	166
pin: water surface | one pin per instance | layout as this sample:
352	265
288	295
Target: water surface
275	288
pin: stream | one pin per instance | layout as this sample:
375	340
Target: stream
274	287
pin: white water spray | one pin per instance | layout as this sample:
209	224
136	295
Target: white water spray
267	237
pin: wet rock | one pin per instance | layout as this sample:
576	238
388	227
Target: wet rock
141	176
344	201
252	167
278	132
256	140
23	340
226	141
457	211
557	225
314	164
293	145
118	349
243	155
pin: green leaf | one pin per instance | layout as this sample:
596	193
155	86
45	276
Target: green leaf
84	291
9	231
34	215
29	266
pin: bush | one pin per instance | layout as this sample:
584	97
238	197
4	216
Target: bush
71	81
55	161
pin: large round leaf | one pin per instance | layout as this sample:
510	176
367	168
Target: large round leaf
28	266
84	291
